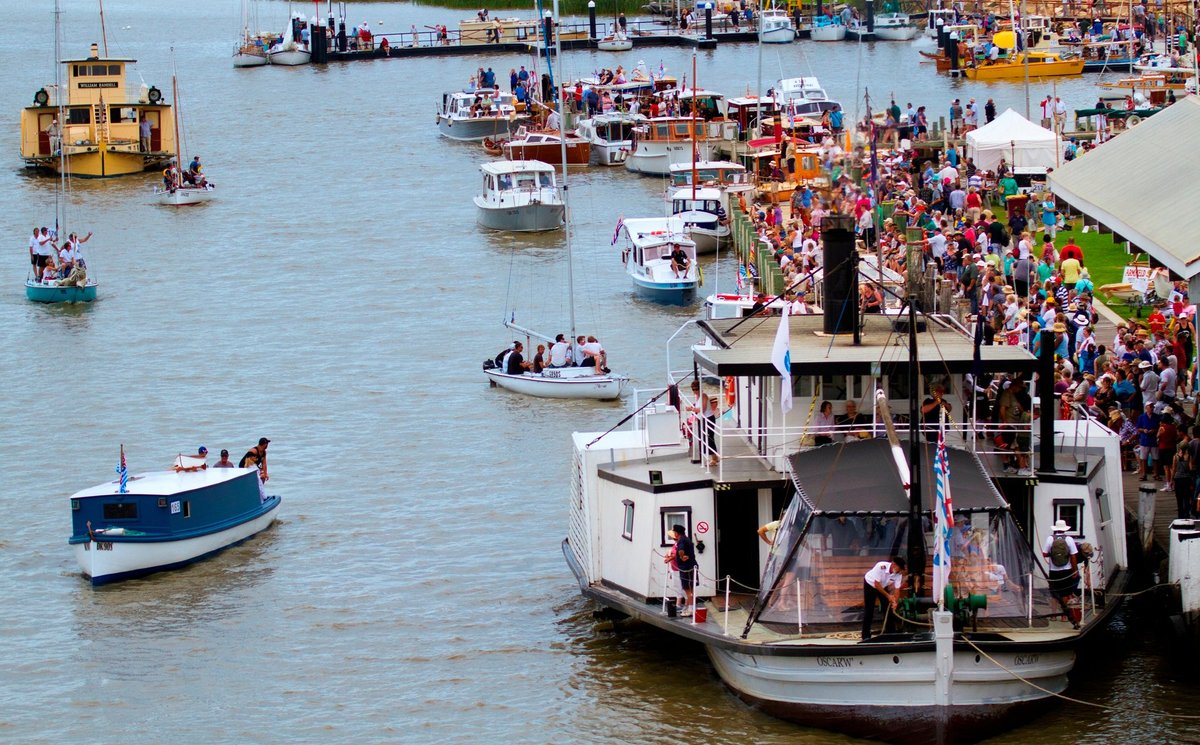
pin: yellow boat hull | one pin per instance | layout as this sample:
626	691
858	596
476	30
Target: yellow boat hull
1016	71
95	161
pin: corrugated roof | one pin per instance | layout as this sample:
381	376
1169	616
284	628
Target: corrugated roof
1141	185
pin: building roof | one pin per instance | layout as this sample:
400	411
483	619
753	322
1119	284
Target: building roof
1140	185
942	349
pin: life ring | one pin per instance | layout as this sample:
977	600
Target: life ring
730	391
1133	120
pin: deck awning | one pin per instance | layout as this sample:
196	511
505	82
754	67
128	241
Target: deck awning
860	477
1140	185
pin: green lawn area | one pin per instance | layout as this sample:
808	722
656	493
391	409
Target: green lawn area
1104	260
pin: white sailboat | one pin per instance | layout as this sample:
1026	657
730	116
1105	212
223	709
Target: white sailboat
251	51
79	286
293	48
181	193
586	382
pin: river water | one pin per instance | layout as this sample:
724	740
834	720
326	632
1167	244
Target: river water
338	299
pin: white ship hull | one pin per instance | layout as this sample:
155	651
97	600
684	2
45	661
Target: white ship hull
829	33
184	195
656	159
108	558
290	57
570	382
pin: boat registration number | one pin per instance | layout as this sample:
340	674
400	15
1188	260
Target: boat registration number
100	546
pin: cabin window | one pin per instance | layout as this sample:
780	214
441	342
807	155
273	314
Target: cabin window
834	387
897	388
120	511
682	130
627	525
114	69
1070	511
100	69
674	516
545	180
80	70
79	116
662	131
187	509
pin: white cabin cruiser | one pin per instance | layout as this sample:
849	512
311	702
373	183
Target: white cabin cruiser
828	28
650	244
704	216
477	115
663	142
776	27
610	136
519	196
803	96
894	27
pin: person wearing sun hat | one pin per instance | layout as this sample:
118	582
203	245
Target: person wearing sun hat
1062	564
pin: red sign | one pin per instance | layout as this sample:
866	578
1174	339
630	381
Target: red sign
701	527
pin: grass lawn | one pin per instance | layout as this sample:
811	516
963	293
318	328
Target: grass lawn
1104	260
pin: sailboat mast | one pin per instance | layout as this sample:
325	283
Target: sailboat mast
562	139
103	33
175	103
916	533
60	198
759	91
695	102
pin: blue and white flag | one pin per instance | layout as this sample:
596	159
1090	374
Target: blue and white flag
123	472
617	232
943	521
781	358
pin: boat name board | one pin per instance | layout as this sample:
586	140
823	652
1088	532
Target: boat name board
1024	660
108	84
100	546
844	662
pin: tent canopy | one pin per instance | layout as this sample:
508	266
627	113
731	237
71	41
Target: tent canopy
1140	185
1028	147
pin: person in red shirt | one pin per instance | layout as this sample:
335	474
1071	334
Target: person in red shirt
1071	250
1156	321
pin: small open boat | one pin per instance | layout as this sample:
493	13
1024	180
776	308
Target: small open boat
615	42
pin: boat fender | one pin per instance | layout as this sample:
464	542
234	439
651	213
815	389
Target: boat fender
41	98
625	256
730	391
154	95
1133	120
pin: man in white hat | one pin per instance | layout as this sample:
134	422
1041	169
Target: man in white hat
1062	561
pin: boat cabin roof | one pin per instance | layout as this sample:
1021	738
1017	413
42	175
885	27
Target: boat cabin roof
745	349
164	483
841	479
498	167
647	232
806	87
700	193
701	165
72	60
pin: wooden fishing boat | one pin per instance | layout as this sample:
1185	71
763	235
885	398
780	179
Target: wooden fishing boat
1041	65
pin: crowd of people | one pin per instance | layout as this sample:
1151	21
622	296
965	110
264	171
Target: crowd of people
586	351
52	264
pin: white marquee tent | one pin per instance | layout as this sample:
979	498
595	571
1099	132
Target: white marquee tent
1028	148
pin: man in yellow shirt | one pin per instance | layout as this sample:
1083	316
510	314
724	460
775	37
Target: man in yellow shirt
1070	269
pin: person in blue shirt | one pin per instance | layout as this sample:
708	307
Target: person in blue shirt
835	120
1147	427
